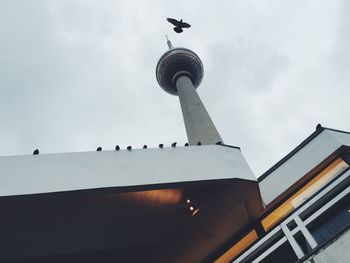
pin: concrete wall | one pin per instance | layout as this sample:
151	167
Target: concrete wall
45	173
336	252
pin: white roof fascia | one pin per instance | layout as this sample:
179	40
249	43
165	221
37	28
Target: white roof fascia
301	163
47	173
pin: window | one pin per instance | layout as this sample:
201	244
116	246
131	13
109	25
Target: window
283	254
333	222
330	172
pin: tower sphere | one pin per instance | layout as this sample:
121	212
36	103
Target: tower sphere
178	62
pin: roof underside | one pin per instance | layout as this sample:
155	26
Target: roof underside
153	225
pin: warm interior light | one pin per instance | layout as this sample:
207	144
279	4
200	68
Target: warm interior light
152	197
188	201
191	208
237	248
304	193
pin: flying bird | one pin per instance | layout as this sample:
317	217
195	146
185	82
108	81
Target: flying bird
179	25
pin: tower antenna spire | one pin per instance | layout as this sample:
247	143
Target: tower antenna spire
169	43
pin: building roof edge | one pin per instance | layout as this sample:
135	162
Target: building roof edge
318	131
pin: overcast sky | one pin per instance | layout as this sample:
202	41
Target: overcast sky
77	74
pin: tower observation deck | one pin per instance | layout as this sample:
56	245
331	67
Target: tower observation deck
179	72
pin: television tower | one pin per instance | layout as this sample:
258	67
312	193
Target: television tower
179	72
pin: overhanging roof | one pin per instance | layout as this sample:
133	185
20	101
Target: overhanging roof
305	157
124	205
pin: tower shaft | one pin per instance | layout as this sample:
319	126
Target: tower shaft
199	126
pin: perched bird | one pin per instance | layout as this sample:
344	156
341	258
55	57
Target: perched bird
117	148
36	151
218	143
99	149
161	146
186	144
145	146
129	148
173	145
319	126
199	143
179	25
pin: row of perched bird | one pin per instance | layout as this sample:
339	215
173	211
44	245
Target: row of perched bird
117	147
